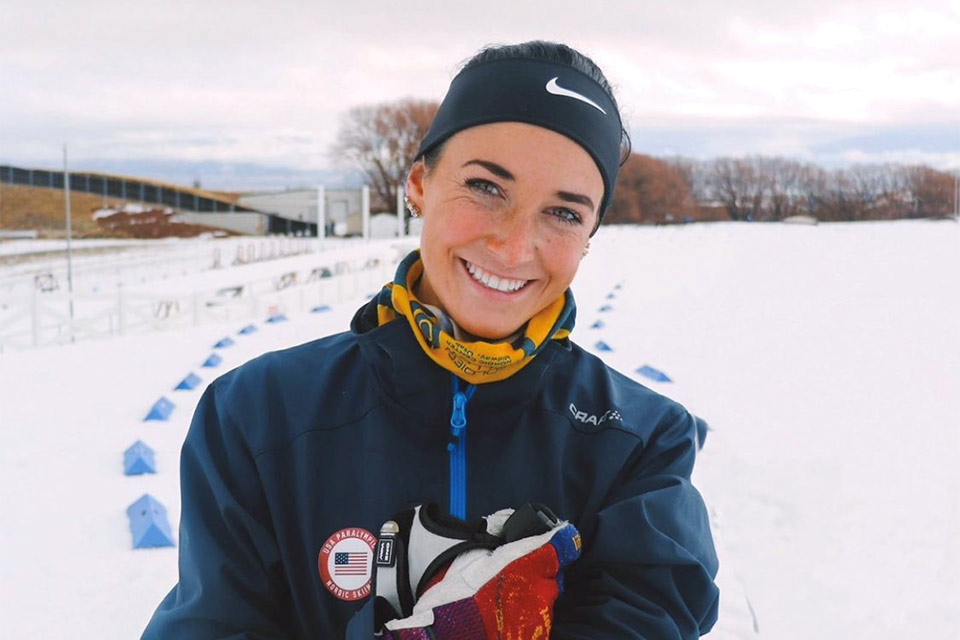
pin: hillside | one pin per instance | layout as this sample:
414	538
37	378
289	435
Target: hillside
40	208
23	207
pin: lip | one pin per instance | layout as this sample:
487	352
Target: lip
504	295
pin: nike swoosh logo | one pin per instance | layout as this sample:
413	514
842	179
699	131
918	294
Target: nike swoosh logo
557	90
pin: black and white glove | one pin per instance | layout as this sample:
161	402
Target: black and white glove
442	578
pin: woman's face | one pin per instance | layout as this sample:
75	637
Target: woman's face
507	212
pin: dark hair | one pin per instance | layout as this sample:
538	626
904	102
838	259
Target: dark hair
546	52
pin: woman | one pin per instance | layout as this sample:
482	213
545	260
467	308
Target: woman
458	385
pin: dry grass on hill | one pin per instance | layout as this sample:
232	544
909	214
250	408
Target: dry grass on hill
23	207
42	209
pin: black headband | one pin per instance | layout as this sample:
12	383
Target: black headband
550	95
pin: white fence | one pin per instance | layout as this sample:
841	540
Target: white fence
57	318
98	267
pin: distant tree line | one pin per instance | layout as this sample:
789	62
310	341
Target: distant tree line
382	140
765	188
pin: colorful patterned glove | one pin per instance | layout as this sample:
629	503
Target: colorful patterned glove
439	578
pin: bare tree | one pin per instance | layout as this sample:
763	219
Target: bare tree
931	192
865	187
783	180
727	187
650	190
741	186
696	173
813	189
382	140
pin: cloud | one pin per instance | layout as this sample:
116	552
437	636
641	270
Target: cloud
827	143
267	82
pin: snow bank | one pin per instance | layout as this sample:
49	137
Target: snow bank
130	208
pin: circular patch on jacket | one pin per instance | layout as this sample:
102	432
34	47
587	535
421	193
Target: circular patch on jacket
346	563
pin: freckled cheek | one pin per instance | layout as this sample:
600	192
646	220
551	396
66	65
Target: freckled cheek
464	227
562	258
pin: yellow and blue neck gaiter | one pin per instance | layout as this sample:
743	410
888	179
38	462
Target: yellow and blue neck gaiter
475	362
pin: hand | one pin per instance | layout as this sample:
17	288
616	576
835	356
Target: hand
438	577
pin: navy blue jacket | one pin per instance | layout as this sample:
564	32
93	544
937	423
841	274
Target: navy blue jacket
348	430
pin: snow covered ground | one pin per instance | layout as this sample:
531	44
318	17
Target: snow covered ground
826	360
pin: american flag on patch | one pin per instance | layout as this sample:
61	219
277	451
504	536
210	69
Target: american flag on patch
350	563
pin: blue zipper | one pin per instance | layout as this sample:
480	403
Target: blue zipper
457	447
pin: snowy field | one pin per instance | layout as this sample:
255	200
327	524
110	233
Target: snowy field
826	360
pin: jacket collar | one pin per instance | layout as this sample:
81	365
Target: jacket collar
413	383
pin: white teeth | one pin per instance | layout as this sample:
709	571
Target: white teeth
494	282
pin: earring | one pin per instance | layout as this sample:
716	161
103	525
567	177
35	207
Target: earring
412	207
586	250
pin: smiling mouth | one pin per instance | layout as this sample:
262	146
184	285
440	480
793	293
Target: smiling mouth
490	281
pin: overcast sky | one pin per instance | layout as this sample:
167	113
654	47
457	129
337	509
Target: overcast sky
124	83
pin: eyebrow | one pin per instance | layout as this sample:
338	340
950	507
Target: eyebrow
575	197
492	167
497	170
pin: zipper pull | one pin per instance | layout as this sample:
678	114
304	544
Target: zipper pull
458	419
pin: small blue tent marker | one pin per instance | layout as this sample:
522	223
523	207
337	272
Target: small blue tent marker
224	342
190	382
160	410
320	309
277	318
138	459
247	330
602	346
606	308
653	374
597	325
148	524
213	361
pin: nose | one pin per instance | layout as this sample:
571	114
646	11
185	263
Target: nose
514	240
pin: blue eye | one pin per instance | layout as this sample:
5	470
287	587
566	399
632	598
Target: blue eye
485	187
567	216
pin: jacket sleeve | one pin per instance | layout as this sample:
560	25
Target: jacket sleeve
649	564
231	581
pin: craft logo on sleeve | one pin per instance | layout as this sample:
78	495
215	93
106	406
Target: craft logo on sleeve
346	561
